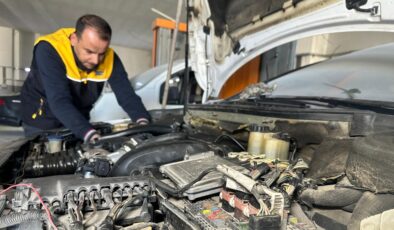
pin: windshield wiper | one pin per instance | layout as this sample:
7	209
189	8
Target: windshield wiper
285	102
268	102
350	93
315	102
376	106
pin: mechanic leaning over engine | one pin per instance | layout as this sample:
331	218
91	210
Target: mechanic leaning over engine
68	72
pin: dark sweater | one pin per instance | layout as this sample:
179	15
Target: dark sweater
67	103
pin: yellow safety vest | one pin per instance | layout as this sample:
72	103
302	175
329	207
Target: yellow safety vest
60	40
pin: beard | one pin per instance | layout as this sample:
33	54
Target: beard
89	67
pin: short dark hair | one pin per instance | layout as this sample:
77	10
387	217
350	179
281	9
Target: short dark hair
99	24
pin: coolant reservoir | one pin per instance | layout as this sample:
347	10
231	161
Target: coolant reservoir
54	144
256	140
277	147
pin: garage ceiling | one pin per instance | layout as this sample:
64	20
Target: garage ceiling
131	20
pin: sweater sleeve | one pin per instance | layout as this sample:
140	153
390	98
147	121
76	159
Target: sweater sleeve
53	75
125	94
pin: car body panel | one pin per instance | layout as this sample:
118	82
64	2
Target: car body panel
9	110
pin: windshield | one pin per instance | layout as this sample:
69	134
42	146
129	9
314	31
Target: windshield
362	75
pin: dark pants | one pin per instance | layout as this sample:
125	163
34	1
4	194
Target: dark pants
31	131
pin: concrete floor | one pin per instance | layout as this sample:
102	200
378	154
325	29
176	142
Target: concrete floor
9	133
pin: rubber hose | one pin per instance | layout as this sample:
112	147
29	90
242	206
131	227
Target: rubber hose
349	208
338	197
52	164
370	204
165	187
154	129
19	217
163	138
156	154
297	211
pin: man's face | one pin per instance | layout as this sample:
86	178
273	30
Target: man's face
89	48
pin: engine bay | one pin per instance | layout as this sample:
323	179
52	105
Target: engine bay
202	174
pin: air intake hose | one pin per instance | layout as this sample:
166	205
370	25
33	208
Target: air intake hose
157	154
338	197
153	129
52	164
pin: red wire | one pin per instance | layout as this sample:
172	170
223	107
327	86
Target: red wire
39	197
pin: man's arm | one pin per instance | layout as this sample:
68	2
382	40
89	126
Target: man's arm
125	94
53	76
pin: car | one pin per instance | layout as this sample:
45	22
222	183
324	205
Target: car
149	85
310	149
9	110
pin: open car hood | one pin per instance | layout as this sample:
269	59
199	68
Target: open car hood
224	35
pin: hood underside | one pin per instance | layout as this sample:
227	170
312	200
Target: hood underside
226	34
229	16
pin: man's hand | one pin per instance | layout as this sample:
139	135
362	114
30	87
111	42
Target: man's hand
142	121
91	137
95	138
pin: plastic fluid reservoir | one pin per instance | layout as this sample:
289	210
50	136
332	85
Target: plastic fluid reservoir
54	144
277	147
257	137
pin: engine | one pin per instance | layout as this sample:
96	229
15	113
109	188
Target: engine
254	176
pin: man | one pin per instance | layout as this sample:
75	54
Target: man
67	75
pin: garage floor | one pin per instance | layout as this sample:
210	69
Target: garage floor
8	133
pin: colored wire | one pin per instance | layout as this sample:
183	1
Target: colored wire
39	197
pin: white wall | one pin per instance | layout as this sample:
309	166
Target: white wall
5	46
15	54
346	42
6	54
24	42
311	49
135	61
318	48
